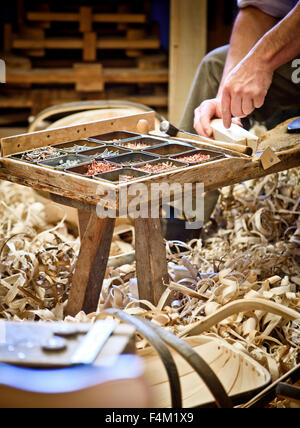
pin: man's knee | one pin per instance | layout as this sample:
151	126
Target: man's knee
215	60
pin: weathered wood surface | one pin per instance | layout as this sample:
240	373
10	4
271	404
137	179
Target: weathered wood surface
278	138
151	263
12	145
213	175
91	266
83	222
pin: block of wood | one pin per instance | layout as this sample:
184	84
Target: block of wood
235	134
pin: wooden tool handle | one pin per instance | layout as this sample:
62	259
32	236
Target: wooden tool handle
292	151
231	146
237	307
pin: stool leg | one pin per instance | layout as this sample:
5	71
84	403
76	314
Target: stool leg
151	262
91	265
83	221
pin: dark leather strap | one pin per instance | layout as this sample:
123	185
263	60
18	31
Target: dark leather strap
162	350
151	332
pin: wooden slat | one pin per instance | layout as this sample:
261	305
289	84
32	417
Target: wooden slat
89	77
151	264
7	37
89	46
97	17
85	19
25	100
187	48
76	43
11	145
91	266
52	16
213	175
68	75
83	221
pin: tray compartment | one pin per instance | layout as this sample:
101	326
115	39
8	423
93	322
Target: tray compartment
184	157
83	168
59	163
145	142
105	152
122	175
173	165
170	149
132	159
52	154
114	137
73	147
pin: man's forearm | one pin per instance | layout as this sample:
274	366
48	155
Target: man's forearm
250	26
281	44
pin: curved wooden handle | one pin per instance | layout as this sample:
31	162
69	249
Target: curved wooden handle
237	307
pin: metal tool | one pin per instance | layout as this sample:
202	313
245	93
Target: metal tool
91	345
294	127
172	131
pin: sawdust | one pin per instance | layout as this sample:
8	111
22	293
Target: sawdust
250	248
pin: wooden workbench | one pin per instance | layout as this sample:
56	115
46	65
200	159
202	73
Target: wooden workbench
85	194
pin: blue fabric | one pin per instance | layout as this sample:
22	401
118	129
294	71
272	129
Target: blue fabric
276	8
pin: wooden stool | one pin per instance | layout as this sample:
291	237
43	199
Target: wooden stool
96	238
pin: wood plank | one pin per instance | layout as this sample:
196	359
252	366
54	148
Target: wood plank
89	77
135	75
83	221
151	264
76	43
143	261
89	46
11	145
7	37
187	49
91	266
213	175
23	99
149	43
52	16
68	75
130	18
85	19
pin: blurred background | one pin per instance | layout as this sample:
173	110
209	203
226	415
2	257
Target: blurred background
139	51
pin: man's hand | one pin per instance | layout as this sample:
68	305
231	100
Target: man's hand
245	89
205	113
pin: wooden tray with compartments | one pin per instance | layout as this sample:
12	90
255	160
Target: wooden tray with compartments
65	162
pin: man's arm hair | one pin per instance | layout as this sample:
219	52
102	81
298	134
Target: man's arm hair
250	26
281	44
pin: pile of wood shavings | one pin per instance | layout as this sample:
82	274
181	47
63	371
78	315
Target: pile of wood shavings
36	259
250	249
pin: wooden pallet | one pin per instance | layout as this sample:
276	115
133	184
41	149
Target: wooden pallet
86	77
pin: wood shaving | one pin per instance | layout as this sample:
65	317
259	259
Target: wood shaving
249	249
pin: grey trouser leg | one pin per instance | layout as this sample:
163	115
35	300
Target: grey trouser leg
283	93
205	86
